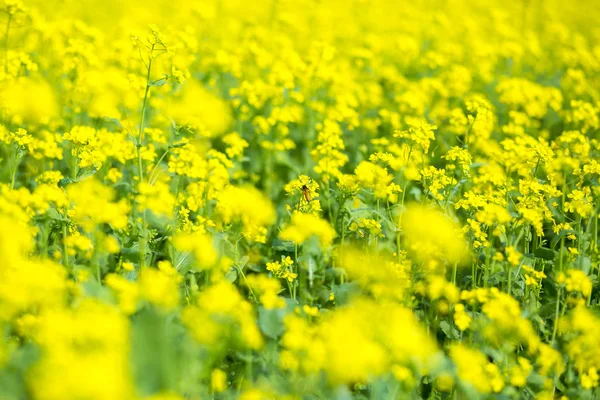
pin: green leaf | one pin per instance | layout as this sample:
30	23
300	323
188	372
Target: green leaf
12	375
86	173
545	253
447	329
232	275
283	245
585	264
243	261
160	82
270	322
255	267
547	310
560	236
113	120
64	182
344	292
158	354
55	215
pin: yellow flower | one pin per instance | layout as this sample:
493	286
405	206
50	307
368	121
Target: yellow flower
64	336
372	176
474	369
221	313
128	266
267	289
249	206
273	266
304	226
419	132
159	288
201	245
127	292
89	196
430	235
461	318
113	175
576	281
156	197
513	256
218	380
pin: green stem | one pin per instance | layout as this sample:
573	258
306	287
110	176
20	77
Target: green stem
65	249
328	200
401	211
454	273
556	314
143	117
143	237
342	249
14	171
249	365
487	265
473	275
157	164
298	278
143	241
378	219
509	284
239	269
560	254
95	260
343	228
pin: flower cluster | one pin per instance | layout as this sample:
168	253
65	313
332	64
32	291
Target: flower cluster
299	200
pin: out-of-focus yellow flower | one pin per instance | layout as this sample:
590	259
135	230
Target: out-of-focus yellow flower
127	292
575	281
304	226
204	112
222	317
156	197
430	235
396	340
26	284
27	99
159	288
88	197
72	368
474	369
218	380
201	245
249	206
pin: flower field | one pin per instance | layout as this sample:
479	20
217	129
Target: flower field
309	199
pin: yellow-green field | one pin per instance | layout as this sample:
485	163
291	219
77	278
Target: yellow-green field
308	199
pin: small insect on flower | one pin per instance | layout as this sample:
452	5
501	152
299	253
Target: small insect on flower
306	193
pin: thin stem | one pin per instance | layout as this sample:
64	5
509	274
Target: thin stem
342	249
509	287
239	269
65	249
95	260
297	286
454	273
156	165
143	116
143	241
143	237
487	265
14	171
556	314
328	199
